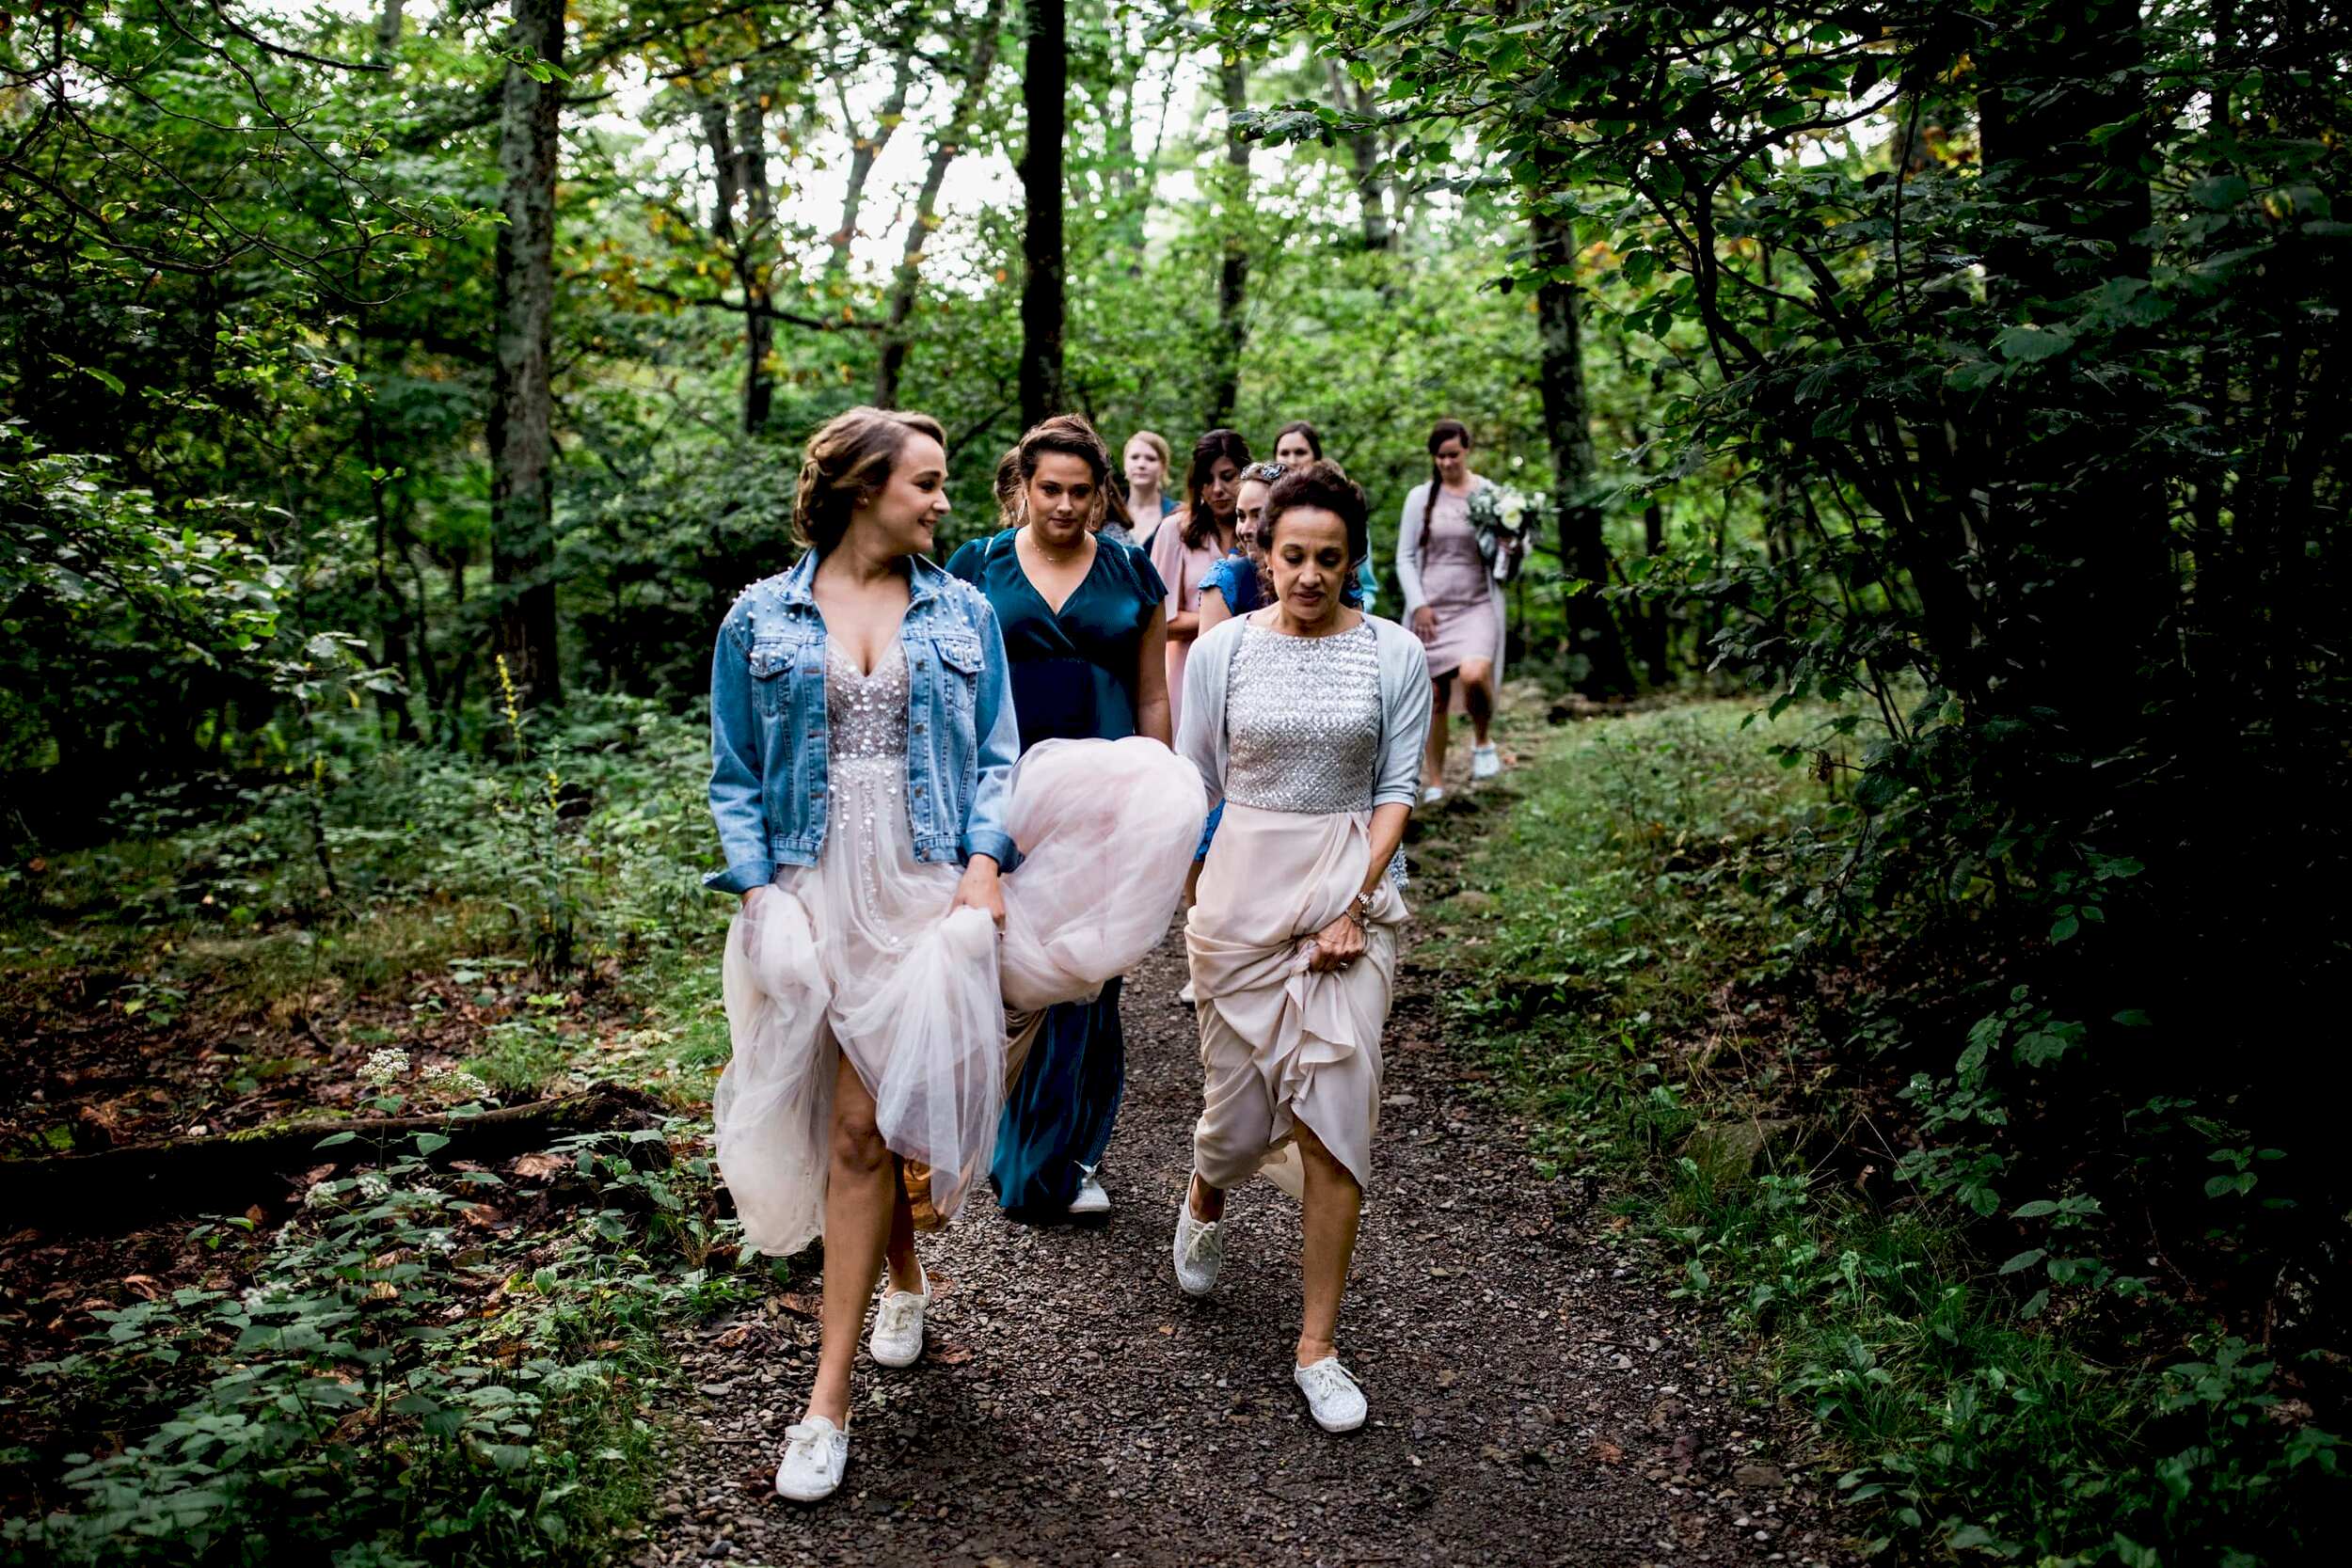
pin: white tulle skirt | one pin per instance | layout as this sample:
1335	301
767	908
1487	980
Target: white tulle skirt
858	955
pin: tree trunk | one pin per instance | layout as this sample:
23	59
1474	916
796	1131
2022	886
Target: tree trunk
905	285
1583	552
750	261
1656	617
387	27
522	402
1364	151
863	150
1232	272
1045	85
122	1189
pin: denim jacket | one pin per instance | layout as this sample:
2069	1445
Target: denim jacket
768	740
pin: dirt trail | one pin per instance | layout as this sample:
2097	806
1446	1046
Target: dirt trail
1534	1397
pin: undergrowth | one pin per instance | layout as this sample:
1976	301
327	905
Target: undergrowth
1637	952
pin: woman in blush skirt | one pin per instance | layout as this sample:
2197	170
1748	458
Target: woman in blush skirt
1306	719
865	788
1453	602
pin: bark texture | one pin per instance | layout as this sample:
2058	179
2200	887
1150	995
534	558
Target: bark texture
522	400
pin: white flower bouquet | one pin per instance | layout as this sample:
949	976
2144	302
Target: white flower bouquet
1504	518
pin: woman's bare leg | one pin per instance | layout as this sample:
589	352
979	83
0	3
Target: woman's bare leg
861	1196
1433	755
1334	1203
905	1272
1478	693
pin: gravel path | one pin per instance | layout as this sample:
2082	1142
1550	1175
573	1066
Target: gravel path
1534	1397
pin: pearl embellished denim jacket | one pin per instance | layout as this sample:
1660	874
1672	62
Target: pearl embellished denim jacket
768	760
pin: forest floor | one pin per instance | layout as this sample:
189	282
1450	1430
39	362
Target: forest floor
1535	1397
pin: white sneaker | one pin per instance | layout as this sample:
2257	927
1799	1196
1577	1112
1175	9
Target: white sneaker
898	1337
1183	994
1091	1198
1200	1249
1332	1398
815	1454
1432	794
1485	762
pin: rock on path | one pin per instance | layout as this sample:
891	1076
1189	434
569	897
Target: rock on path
1534	1397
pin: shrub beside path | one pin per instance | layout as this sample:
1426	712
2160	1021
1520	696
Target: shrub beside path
1535	1396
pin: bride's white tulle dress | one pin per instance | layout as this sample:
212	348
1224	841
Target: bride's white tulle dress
859	955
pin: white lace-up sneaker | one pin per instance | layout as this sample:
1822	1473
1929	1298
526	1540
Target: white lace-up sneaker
1091	1198
1332	1398
1200	1249
1485	762
815	1452
1183	994
898	1337
1432	794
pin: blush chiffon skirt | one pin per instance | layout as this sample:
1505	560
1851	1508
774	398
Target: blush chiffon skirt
859	957
1282	1044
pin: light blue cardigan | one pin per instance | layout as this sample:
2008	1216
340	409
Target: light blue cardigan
1404	704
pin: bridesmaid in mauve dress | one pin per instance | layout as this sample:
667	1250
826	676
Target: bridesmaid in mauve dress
1453	600
1085	632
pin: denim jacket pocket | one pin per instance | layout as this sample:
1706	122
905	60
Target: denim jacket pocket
959	650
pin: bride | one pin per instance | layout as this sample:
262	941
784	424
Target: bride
864	783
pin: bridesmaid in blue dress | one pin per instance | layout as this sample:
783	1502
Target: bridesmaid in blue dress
1086	630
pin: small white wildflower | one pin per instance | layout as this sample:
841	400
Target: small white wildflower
384	1066
375	1184
455	1083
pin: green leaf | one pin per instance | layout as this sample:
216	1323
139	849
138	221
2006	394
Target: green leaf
104	378
2034	1211
333	1139
2025	1259
430	1143
2030	344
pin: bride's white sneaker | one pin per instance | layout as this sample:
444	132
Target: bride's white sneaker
1432	794
1091	1198
1200	1249
815	1452
1332	1398
1485	762
898	1337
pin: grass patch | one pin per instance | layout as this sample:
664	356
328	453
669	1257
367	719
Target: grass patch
1631	953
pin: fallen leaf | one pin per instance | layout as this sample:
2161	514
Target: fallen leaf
481	1216
1607	1453
144	1284
538	1167
952	1355
801	1306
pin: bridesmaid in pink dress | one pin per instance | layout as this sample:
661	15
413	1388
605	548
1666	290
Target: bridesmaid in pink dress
1195	539
1452	601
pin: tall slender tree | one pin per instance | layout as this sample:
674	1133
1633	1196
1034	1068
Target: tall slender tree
1591	631
1045	86
522	402
1232	272
908	280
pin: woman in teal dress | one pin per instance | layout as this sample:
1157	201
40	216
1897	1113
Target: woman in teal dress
1085	629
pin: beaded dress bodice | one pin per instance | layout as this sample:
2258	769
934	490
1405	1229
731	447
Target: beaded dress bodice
865	715
1302	720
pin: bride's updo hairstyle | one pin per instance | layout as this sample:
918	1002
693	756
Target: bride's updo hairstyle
1322	485
1072	436
848	461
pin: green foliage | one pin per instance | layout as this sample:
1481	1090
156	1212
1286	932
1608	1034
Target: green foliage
398	1380
1635	951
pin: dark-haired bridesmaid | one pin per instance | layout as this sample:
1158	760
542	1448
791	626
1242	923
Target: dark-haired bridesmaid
1192	541
1086	631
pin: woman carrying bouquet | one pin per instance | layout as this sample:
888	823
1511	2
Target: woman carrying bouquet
1453	600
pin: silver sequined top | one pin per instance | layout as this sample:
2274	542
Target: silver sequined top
867	715
1302	720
